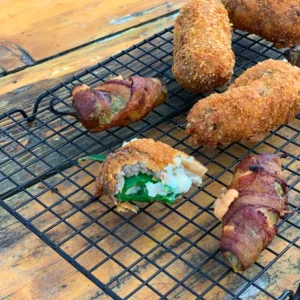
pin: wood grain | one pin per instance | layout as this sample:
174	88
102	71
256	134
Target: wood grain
31	270
46	28
68	193
49	274
63	219
13	57
22	88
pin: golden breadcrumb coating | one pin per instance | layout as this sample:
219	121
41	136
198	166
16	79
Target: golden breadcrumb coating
154	155
203	59
276	21
264	97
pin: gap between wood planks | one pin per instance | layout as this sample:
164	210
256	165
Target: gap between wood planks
30	269
104	39
44	30
21	89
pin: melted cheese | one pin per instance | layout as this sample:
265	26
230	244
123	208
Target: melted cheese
176	178
228	228
271	217
222	204
156	189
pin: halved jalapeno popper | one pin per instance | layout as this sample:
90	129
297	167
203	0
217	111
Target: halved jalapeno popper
143	170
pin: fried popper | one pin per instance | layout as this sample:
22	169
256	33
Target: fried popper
145	171
264	97
203	59
274	20
251	208
117	102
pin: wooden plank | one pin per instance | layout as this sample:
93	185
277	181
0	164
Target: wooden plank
25	89
13	57
43	29
29	269
22	88
283	275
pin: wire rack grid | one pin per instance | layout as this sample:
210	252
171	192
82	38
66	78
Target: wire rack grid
163	252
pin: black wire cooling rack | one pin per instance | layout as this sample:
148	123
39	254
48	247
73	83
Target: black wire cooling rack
162	252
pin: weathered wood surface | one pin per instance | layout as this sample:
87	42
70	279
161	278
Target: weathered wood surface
31	270
46	28
283	275
21	89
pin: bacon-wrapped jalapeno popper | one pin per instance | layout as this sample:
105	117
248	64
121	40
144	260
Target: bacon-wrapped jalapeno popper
203	58
145	171
250	209
117	102
264	97
276	21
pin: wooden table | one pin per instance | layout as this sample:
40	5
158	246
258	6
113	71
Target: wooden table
44	43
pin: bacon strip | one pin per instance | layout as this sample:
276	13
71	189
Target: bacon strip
117	102
249	226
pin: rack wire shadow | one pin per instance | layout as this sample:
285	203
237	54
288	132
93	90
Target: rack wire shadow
163	252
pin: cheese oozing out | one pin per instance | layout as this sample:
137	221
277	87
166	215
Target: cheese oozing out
174	178
222	204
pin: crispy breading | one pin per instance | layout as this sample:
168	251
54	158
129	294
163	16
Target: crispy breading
154	155
276	21
264	97
203	58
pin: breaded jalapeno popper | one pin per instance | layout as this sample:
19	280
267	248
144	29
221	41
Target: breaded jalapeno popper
117	102
203	59
145	171
264	97
274	20
251	208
